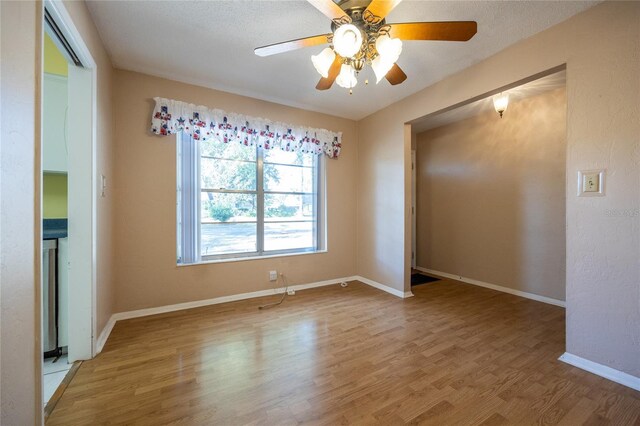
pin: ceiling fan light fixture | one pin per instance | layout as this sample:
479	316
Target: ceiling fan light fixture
501	102
381	67
360	37
323	60
347	77
347	40
389	48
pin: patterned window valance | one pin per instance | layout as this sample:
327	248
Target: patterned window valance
202	123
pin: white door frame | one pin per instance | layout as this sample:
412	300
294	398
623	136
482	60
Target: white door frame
414	209
81	189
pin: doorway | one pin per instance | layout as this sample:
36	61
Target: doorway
491	191
68	198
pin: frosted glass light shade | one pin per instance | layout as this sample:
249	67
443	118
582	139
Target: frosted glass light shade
347	77
389	48
323	60
381	67
347	40
501	102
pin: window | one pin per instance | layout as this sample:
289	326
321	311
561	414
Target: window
239	201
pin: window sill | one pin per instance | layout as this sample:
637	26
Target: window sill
251	258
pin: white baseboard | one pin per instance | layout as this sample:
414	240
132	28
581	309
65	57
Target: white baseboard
609	373
384	287
524	294
223	299
104	335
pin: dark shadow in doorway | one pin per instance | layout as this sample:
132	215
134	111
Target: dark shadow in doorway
417	279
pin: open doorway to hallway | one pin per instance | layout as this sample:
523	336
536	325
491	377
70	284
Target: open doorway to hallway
68	200
489	194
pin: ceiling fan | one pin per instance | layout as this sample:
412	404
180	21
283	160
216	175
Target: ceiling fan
360	35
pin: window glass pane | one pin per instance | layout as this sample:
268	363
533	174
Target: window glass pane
232	151
215	208
287	207
227	174
288	178
220	238
229	201
288	235
287	157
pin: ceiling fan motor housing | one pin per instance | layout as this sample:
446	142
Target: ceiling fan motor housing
370	27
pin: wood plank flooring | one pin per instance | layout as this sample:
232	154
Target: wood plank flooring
454	354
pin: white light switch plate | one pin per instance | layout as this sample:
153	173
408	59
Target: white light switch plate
591	183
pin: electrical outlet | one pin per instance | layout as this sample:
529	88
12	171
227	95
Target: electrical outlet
273	275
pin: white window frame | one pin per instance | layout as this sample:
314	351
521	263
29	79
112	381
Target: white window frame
188	201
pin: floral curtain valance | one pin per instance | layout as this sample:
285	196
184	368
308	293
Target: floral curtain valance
202	123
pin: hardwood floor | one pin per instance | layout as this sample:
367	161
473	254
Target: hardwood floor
453	354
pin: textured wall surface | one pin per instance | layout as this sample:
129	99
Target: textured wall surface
603	233
491	196
146	270
601	51
20	356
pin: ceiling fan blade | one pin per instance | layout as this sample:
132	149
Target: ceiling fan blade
331	10
381	8
334	70
395	75
445	31
287	46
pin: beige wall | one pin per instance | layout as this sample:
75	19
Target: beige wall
491	196
105	297
601	50
20	178
145	203
380	231
20	354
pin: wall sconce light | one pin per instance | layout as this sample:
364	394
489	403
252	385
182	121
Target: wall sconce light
500	102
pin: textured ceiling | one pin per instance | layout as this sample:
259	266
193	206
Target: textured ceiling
532	88
211	44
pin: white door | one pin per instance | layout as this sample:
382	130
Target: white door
81	206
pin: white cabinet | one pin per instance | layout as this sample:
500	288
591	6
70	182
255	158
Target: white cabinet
63	292
54	124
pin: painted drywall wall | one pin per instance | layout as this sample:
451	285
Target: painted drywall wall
491	196
21	38
104	160
20	355
54	62
601	51
54	196
145	203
